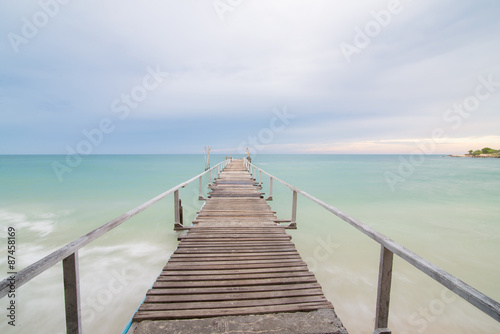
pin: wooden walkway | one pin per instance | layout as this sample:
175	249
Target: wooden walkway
235	260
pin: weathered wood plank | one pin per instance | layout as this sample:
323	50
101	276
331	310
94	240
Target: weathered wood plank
230	289
168	298
186	314
234	266
242	282
230	303
289	270
185	278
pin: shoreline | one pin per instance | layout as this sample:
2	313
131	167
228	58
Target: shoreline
472	156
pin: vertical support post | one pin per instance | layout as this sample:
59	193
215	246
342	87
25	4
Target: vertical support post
72	294
293	223
176	206
181	213
383	291
260	178
270	198
177	212
200	193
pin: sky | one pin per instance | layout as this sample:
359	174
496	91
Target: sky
282	76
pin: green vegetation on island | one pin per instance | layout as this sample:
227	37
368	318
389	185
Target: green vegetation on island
485	152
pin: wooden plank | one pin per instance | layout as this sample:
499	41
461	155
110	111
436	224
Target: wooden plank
229	258
233	266
232	257
231	303
230	289
222	250
242	282
246	254
186	314
167	298
195	262
241	236
185	278
234	271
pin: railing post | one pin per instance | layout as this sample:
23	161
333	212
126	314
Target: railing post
72	294
270	198
383	292
200	193
293	223
177	212
260	178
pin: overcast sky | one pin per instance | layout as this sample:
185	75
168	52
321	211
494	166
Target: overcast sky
279	76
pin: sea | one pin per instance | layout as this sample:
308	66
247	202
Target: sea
442	208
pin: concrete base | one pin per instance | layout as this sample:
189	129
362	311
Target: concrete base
320	321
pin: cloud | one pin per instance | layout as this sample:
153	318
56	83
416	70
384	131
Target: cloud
263	55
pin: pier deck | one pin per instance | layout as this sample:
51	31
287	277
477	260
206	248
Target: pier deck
236	269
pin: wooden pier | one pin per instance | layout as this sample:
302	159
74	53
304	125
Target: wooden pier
236	261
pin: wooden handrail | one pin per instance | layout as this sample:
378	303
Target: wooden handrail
467	292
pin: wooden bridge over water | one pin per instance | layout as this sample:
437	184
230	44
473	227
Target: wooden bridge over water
236	260
236	269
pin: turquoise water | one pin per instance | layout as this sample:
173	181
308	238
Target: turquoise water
444	209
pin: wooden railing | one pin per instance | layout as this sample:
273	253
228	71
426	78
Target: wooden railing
388	248
69	253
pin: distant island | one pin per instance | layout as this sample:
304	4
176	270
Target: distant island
484	153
